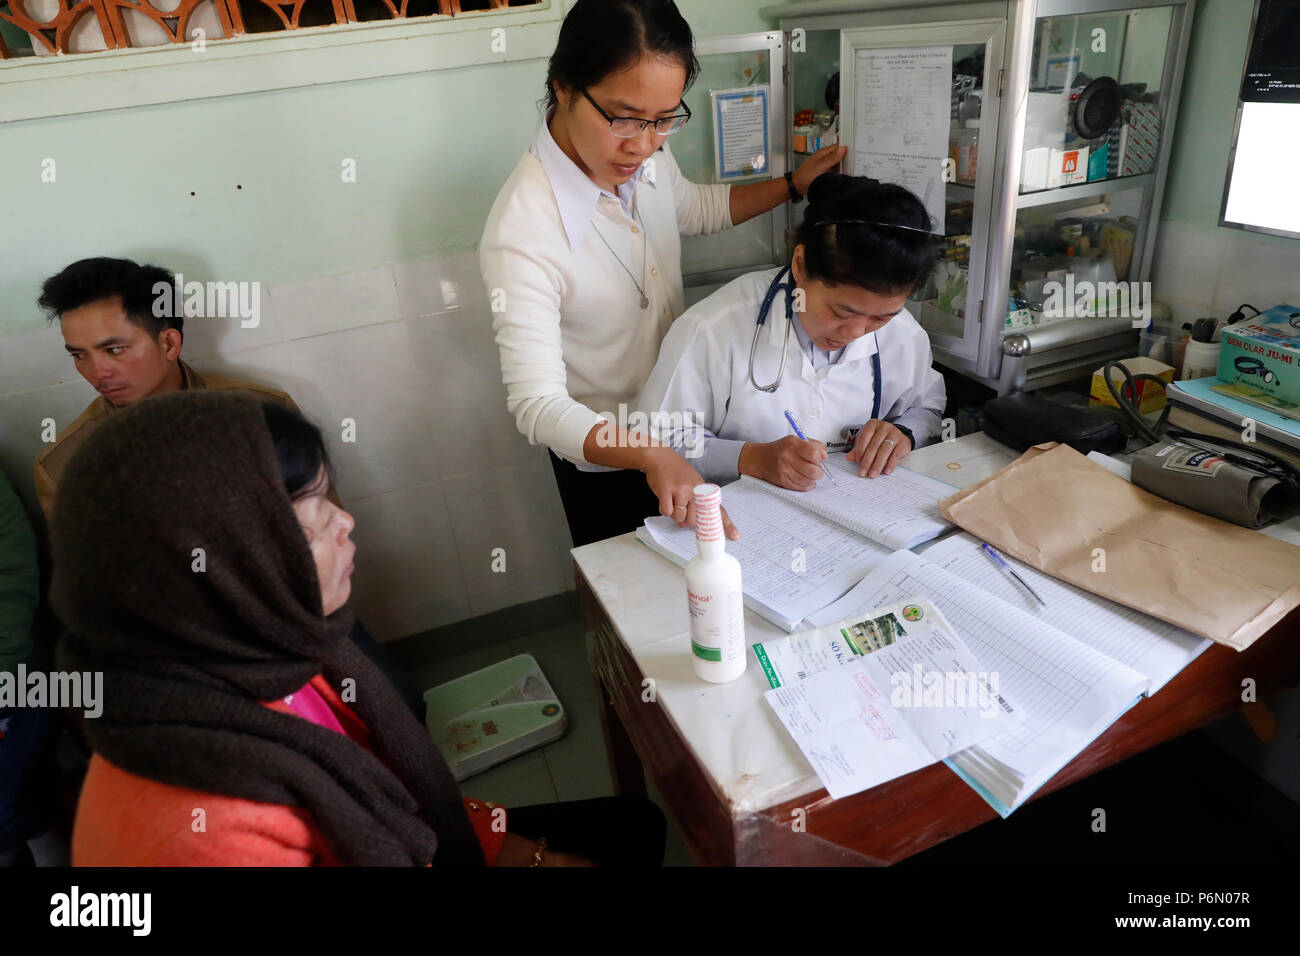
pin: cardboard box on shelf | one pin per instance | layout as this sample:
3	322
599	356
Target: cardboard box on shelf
1033	170
1150	397
1140	139
1264	352
1068	167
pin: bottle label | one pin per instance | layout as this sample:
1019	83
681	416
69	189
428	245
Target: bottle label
706	653
717	626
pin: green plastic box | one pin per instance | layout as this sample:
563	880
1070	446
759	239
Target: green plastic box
493	714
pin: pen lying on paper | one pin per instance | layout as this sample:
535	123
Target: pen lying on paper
802	437
1011	571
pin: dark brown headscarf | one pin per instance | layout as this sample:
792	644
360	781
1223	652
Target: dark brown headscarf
187	654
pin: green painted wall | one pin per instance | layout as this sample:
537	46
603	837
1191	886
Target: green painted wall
431	149
1208	109
249	187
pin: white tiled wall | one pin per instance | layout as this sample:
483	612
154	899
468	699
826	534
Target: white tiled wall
438	476
1200	273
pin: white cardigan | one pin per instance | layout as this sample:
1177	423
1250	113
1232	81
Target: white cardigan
574	340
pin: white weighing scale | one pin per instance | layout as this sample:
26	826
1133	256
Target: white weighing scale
493	714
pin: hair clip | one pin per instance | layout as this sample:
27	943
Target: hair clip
870	222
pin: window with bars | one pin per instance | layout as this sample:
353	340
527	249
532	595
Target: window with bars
51	27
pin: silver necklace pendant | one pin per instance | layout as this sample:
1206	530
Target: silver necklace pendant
645	301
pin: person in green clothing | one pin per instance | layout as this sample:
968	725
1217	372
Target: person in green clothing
24	731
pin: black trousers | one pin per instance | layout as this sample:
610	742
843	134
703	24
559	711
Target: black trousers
609	831
602	504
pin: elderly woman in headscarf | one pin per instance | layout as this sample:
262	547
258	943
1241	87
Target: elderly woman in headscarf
200	567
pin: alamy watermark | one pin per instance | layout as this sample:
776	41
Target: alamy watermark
128	910
948	689
1087	299
211	300
73	690
637	429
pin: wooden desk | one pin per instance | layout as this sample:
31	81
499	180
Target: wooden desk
737	786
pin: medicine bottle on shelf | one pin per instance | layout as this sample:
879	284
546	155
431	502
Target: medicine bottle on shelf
968	151
713	590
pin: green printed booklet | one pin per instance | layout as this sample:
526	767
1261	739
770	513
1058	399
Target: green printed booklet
810	652
879	696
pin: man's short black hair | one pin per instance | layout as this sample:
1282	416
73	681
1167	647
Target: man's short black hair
93	280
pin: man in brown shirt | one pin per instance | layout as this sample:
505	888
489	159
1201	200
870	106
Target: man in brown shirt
124	334
126	342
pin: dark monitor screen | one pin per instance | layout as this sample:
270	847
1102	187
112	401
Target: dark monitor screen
1273	65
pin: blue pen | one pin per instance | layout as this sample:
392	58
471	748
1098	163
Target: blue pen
1010	570
798	431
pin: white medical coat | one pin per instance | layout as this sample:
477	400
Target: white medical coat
700	400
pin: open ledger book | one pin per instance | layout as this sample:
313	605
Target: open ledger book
1072	667
801	550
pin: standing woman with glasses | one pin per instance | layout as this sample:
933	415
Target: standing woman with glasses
582	258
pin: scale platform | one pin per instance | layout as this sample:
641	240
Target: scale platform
493	714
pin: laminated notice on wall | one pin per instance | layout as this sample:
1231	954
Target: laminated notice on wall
742	144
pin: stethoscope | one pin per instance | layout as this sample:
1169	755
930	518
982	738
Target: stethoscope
789	287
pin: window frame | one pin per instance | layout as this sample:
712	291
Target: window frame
34	87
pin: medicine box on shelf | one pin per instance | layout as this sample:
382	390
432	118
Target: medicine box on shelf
1264	352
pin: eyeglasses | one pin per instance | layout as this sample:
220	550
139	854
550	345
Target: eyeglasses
625	127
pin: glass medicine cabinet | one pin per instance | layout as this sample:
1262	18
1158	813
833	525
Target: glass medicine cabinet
1036	132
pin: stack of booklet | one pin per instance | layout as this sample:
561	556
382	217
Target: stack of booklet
801	550
866	706
1065	670
1071	667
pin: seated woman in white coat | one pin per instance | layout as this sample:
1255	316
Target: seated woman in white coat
827	339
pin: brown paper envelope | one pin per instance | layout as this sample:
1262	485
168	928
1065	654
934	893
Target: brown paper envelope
1052	507
1029	455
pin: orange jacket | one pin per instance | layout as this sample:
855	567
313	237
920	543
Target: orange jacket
127	820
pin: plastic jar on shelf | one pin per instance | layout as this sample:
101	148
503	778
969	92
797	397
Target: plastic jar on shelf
968	151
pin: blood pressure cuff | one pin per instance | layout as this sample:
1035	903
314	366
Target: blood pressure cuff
1203	481
1023	420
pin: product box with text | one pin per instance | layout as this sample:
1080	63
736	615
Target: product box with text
1264	352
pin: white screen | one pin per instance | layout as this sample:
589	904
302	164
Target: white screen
1265	187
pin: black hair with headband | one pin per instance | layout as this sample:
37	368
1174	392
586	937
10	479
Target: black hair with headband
600	37
863	232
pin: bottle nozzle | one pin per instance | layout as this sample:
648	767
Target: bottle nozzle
708	513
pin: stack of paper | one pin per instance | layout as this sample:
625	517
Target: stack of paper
879	715
1073	666
799	551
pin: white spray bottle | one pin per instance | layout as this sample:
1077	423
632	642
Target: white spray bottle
716	600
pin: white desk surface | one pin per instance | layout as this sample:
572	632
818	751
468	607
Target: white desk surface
734	734
753	761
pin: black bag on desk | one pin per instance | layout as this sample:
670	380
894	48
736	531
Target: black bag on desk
1022	420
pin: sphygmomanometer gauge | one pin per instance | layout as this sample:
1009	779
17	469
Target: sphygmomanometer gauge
1253	366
